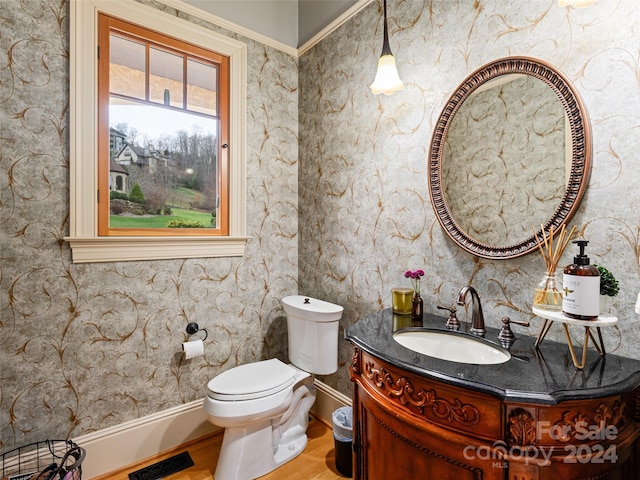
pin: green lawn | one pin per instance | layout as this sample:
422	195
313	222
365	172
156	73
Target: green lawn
160	221
182	197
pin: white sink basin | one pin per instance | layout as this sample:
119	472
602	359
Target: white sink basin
451	346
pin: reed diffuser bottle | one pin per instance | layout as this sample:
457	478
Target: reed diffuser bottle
547	294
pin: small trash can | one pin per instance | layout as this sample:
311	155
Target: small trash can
343	439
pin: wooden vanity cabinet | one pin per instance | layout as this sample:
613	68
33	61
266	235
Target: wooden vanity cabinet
409	426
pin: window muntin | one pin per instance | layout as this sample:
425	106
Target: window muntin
169	97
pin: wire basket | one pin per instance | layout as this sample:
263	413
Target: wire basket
46	460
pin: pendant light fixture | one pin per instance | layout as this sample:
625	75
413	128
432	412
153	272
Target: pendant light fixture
387	80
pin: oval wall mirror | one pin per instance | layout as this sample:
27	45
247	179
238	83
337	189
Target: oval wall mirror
511	153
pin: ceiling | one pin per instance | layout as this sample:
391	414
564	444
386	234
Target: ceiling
291	22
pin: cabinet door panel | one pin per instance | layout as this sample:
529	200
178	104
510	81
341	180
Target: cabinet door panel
390	450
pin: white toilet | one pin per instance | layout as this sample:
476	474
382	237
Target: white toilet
264	406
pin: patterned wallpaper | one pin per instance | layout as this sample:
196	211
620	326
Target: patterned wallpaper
84	347
365	213
337	196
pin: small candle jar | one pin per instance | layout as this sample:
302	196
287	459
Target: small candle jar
402	300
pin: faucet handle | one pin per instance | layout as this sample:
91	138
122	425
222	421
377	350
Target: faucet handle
452	322
506	333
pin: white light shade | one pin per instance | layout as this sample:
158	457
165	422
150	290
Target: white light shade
576	3
387	80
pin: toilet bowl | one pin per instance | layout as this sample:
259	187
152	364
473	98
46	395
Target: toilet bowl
264	406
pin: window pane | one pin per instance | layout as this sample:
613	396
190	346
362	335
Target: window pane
161	173
168	167
202	83
126	67
165	78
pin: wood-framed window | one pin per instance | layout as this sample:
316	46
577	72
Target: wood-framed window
101	160
169	100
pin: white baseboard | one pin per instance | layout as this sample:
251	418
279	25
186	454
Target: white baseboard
130	442
327	400
115	447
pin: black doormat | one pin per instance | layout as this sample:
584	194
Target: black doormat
163	468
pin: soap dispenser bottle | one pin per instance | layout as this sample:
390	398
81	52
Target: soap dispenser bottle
581	287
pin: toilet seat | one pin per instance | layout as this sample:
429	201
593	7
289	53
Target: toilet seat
252	380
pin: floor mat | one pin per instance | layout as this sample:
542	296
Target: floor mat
163	468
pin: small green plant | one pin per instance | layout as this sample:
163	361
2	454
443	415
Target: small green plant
179	223
115	195
608	283
136	194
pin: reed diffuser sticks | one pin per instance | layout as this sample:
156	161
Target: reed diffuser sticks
547	294
550	254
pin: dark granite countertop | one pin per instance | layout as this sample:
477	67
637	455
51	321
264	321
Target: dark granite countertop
543	375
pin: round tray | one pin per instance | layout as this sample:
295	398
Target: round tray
601	321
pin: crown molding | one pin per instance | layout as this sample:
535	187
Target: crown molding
252	34
231	26
352	11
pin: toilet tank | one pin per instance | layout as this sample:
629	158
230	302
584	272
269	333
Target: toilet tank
312	327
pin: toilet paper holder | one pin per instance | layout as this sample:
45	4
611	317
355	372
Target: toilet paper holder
194	328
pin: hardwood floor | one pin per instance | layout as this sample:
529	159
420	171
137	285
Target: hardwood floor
316	462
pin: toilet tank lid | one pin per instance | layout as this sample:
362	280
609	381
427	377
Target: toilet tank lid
252	378
312	308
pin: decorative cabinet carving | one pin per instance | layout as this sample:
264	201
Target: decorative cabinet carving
402	391
411	426
521	428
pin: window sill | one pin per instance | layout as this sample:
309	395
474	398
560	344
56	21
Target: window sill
125	249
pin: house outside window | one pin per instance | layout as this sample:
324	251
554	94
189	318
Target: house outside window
117	177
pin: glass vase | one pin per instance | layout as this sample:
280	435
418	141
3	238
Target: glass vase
547	294
417	305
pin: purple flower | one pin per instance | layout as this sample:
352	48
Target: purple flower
415	274
415	278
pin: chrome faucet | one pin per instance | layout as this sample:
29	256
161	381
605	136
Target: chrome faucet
477	319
